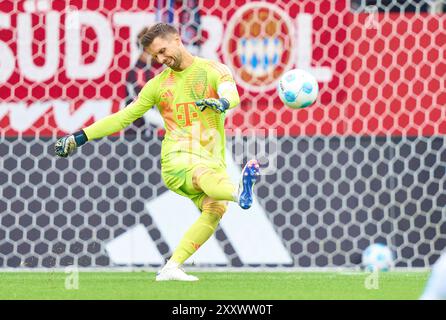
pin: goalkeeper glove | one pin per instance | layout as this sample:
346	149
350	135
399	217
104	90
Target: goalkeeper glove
218	105
65	146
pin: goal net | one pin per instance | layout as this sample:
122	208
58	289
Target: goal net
365	164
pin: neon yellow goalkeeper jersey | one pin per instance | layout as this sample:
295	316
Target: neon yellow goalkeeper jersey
175	93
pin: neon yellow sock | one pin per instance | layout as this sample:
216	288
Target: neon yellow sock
217	186
196	236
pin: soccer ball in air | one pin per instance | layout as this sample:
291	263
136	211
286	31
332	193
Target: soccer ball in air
377	257
298	89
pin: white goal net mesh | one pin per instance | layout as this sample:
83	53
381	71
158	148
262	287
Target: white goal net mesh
365	164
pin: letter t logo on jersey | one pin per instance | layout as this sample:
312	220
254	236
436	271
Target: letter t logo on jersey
186	113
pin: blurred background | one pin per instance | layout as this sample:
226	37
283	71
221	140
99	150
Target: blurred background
365	164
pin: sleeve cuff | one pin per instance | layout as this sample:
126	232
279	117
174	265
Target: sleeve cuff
225	103
80	137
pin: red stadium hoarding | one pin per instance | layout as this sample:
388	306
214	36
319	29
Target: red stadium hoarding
396	77
64	64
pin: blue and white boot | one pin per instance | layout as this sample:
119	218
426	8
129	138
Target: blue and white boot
250	175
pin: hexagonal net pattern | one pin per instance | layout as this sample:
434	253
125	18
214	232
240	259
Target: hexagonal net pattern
327	201
366	163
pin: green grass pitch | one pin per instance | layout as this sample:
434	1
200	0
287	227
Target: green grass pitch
216	286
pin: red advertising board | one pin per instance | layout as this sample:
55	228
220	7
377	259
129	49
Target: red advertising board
64	63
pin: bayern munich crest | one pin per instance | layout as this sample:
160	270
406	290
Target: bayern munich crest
257	45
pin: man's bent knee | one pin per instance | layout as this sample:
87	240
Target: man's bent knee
215	206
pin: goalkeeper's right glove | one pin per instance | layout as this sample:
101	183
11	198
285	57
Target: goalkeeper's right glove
65	146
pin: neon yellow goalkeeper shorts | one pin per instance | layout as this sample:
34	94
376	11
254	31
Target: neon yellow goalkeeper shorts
177	169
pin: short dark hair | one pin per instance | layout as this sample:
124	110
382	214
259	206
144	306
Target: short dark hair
158	30
140	35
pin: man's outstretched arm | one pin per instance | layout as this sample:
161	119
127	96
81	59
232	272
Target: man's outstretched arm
113	123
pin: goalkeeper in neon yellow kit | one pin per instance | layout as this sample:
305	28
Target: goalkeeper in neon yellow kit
192	95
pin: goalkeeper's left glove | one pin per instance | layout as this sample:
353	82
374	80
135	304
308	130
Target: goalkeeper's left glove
65	146
219	105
